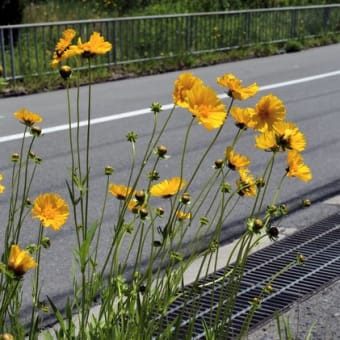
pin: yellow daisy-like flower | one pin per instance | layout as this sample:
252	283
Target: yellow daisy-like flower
235	160
181	215
2	187
20	261
296	166
182	85
206	107
95	45
236	90
243	117
64	49
120	191
269	110
168	187
51	209
289	136
267	141
27	117
246	183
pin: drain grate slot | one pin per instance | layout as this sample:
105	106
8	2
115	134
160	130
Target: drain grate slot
319	244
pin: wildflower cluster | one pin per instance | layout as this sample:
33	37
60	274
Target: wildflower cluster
156	223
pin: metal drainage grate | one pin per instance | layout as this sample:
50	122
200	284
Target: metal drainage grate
319	244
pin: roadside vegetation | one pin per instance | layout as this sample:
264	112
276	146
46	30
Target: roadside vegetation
53	10
131	253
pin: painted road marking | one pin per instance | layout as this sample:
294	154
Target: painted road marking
135	113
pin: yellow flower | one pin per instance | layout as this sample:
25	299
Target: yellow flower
236	90
95	45
246	183
296	167
27	117
168	187
235	161
51	210
206	106
20	261
120	191
268	110
181	215
64	49
2	187
267	141
289	136
243	117
182	85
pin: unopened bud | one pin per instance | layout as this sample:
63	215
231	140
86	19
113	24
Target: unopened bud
15	157
185	198
268	289
35	131
65	71
260	182
306	203
37	160
258	224
156	107
273	233
140	196
108	170
143	213
219	163
159	211
161	150
300	259
6	336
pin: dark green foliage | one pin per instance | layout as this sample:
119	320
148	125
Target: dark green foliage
293	46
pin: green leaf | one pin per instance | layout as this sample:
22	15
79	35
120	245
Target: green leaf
84	248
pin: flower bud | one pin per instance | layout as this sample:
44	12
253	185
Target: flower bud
226	187
140	196
159	211
300	259
65	71
185	198
156	107
35	131
109	170
6	336
131	136
161	151
157	244
268	289
46	242
256	301
258	224
219	163
15	157
153	175
306	202
143	213
273	233
260	182
32	154
37	160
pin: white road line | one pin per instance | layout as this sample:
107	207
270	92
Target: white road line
166	107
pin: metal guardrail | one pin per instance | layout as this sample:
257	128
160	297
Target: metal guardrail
26	50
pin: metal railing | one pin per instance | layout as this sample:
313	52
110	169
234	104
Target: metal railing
26	50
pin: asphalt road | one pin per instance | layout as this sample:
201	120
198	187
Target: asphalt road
308	82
